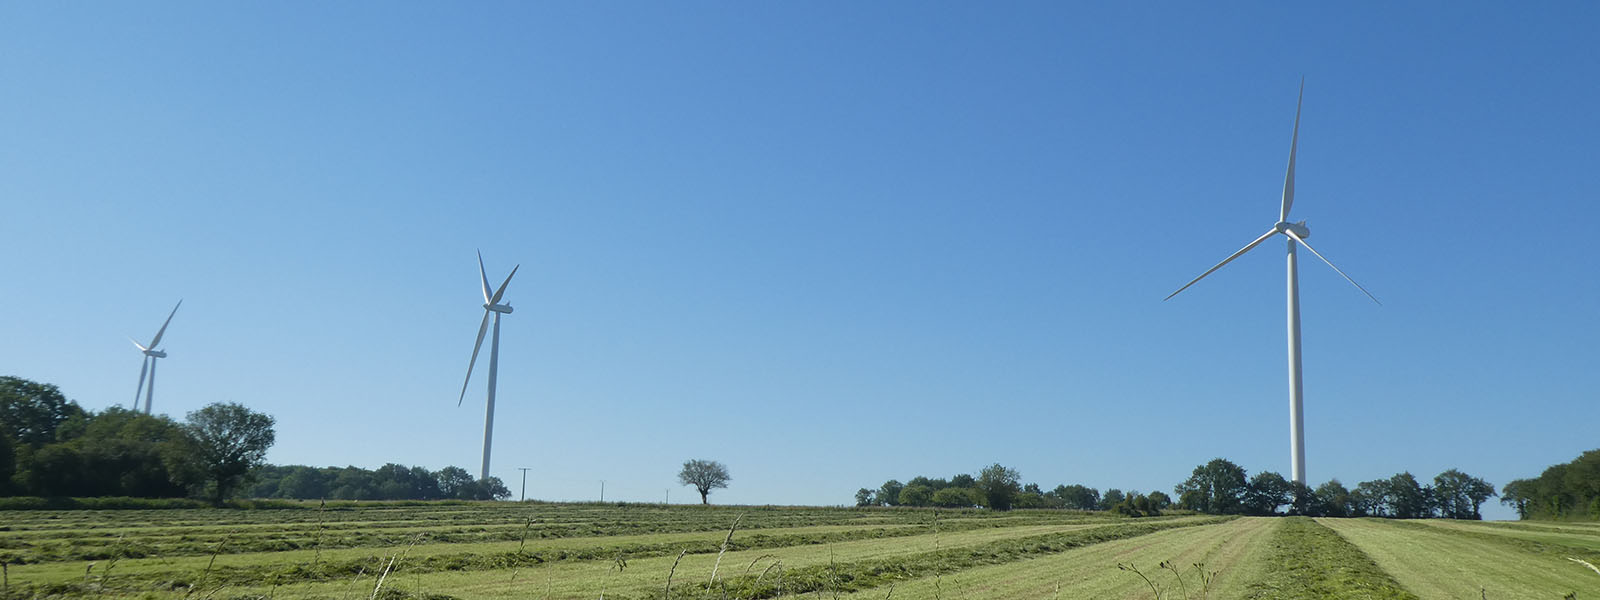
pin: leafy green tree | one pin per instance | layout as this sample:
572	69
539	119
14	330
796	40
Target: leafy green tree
1371	499
54	470
227	442
30	412
1111	499
1266	492
999	486
488	489
1460	496
305	483
1159	500
8	464
1518	494
963	481
451	482
127	453
704	475
1219	488
916	495
864	497
1406	497
1334	499
957	497
889	492
1078	497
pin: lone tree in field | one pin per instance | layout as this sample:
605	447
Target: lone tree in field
704	475
229	441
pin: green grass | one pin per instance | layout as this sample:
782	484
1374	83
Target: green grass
577	551
1309	561
1437	562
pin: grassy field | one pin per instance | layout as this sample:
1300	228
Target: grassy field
508	550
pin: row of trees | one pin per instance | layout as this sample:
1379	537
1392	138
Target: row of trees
999	487
1565	491
1221	487
50	446
388	482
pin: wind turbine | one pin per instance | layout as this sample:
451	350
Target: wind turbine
491	306
149	366
1296	234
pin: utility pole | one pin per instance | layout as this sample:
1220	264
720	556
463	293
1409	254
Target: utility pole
524	482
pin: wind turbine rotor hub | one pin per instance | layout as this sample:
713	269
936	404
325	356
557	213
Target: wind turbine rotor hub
499	308
1299	229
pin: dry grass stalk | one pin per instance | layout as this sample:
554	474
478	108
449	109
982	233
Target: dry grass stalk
725	542
317	557
752	564
390	568
207	573
667	594
1586	564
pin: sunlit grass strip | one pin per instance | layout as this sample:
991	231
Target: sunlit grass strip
839	578
1310	562
253	569
1541	546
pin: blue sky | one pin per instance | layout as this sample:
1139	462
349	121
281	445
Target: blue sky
828	244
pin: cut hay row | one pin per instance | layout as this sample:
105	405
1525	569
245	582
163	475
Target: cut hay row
244	569
1564	537
1226	550
1435	562
645	575
508	524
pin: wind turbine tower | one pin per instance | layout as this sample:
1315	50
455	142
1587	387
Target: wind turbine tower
149	366
1296	234
491	306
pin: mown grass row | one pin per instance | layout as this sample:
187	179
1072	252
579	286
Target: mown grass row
93	520
505	524
1438	562
856	576
1310	562
153	576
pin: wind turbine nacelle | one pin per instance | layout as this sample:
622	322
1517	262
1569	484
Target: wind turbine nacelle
499	308
156	353
1299	229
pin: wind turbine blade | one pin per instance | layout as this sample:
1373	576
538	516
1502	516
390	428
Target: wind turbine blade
1294	144
484	277
502	291
1330	263
163	330
144	368
136	344
1227	260
482	329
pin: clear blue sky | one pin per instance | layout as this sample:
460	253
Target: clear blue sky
828	244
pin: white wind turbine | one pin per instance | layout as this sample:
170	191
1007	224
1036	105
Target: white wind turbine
491	305
149	366
1296	234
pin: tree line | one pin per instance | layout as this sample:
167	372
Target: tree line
998	487
388	482
1566	491
1221	487
51	447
